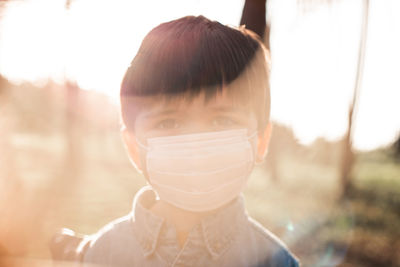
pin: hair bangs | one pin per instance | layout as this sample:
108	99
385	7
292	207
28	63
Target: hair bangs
187	57
183	58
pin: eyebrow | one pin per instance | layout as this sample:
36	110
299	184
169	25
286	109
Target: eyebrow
160	113
221	109
236	109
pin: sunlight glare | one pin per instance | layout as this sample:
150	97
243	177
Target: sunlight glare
314	56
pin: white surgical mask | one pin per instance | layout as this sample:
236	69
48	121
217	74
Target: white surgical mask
200	172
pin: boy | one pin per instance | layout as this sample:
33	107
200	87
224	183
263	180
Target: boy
195	107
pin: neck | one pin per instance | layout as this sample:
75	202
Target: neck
182	220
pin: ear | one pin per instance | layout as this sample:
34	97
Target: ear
132	147
263	143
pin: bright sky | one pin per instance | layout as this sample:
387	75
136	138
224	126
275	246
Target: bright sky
314	55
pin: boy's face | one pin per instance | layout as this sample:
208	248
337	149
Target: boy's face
178	117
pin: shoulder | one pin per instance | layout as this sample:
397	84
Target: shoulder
100	244
277	253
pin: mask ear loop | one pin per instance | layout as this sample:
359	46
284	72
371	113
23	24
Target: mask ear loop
252	135
141	145
124	128
254	149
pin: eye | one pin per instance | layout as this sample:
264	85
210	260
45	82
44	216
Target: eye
224	121
168	124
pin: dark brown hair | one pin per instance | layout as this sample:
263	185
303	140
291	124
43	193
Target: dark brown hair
192	55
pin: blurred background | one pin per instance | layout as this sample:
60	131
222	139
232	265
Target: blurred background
330	186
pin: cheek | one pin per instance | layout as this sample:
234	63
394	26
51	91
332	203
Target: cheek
253	130
251	120
254	144
143	162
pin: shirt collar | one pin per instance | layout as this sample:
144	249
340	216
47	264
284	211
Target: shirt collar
146	225
219	229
